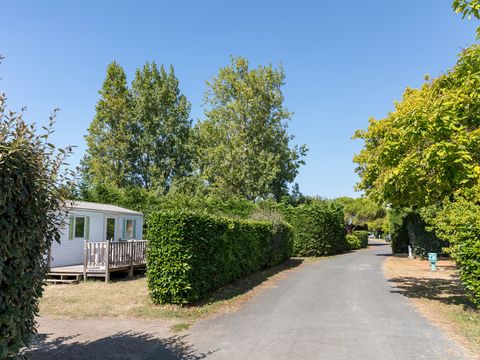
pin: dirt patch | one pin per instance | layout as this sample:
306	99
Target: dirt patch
438	296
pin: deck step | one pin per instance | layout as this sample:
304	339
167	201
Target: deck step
62	281
63	274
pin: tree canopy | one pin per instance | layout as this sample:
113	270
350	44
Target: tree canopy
242	145
427	148
139	137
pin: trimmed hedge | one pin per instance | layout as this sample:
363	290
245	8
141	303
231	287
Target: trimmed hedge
459	224
191	254
353	242
318	228
409	228
362	235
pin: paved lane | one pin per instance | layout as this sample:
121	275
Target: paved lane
339	308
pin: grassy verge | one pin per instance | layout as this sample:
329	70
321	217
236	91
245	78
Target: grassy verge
129	298
439	297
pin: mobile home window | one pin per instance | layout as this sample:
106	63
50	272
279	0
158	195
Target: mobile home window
129	229
79	227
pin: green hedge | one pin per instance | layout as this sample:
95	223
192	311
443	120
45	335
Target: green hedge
318	228
362	235
409	228
29	222
353	242
459	224
191	254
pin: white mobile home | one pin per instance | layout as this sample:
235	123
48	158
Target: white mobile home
93	222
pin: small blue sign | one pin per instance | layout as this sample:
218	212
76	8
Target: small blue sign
432	257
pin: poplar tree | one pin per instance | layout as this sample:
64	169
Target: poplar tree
243	147
108	154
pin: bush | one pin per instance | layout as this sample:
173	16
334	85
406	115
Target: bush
362	235
318	228
398	232
459	224
30	200
191	254
353	242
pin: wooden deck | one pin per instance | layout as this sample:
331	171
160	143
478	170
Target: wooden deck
102	258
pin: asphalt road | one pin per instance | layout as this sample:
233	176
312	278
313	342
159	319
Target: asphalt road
339	308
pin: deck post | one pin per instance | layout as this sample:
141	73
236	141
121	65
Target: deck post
85	249
107	261
130	269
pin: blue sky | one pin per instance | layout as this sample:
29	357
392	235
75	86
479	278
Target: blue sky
345	61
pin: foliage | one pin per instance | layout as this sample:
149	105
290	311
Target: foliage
398	231
362	235
459	223
353	242
33	186
108	157
242	147
409	228
361	212
191	254
426	149
148	201
423	241
468	8
161	128
318	228
140	137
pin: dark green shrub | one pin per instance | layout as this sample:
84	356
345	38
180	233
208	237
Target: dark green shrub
398	232
191	254
353	242
408	228
423	241
318	228
30	199
362	235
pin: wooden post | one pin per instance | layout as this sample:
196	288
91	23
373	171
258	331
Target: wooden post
49	258
107	261
130	270
85	249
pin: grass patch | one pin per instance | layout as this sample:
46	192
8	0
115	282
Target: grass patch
180	327
129	298
439	296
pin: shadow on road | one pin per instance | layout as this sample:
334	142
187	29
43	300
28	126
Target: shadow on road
123	345
443	290
242	286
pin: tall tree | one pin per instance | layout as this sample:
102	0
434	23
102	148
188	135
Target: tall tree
243	147
109	135
161	128
428	148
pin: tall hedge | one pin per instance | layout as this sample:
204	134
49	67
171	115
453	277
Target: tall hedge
191	254
459	224
408	228
30	199
318	228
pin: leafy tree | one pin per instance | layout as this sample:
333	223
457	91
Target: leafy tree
427	148
33	187
468	8
362	213
161	128
108	155
243	147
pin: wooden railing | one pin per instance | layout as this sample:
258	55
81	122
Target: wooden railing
114	254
